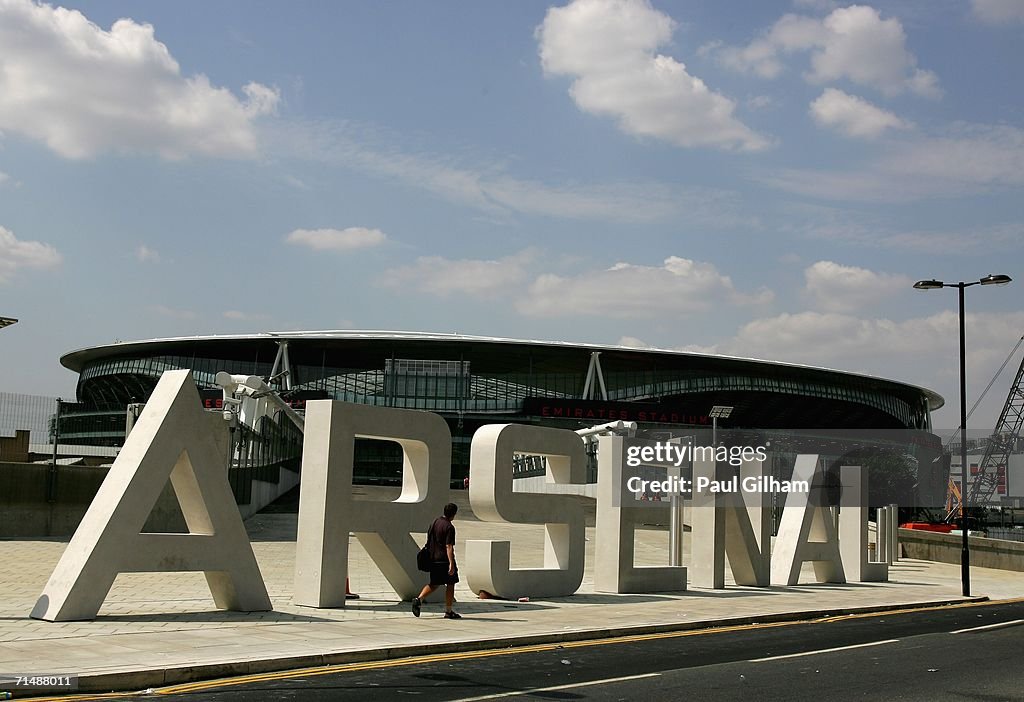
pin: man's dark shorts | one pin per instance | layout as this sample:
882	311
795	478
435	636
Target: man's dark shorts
439	575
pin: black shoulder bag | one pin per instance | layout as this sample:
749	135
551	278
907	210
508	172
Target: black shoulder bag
423	559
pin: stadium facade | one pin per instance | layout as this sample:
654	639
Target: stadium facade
475	380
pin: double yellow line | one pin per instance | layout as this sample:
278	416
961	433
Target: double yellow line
471	655
444	657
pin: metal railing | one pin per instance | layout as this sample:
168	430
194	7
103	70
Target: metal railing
1005	533
32	413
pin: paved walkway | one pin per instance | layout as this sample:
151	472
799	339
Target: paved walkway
160	628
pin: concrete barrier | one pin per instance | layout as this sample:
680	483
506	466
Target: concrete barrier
24	508
27	512
945	548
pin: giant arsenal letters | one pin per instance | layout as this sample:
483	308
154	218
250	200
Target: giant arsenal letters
176	439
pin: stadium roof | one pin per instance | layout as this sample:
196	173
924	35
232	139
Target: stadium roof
78	359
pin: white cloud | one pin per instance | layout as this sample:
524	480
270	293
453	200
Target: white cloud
868	50
966	160
337	239
679	287
174	312
869	344
789	34
296	183
836	288
998	11
921	350
842	227
868	185
490	189
4	178
633	342
147	255
83	90
853	116
261	99
476	277
761	102
851	43
16	255
553	200
980	154
609	48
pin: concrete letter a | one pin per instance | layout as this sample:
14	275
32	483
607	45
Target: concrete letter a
173	438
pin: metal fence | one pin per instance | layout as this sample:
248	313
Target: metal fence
27	412
1005	534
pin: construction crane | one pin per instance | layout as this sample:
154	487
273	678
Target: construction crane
997	451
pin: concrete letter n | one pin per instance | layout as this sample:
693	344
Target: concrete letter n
733	526
173	438
492	498
328	511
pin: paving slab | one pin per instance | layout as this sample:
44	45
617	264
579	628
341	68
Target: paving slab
162	628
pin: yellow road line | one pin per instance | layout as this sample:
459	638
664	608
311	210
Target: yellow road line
905	610
67	698
470	655
467	655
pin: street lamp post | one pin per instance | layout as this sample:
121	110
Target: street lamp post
965	548
718	412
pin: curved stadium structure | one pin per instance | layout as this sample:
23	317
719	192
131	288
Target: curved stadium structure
473	380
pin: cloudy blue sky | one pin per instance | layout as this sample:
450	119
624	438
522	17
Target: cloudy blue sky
762	179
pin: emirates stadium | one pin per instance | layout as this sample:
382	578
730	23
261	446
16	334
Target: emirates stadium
477	380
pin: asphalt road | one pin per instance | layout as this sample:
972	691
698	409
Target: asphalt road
951	653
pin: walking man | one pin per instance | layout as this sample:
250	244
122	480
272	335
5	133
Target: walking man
443	570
